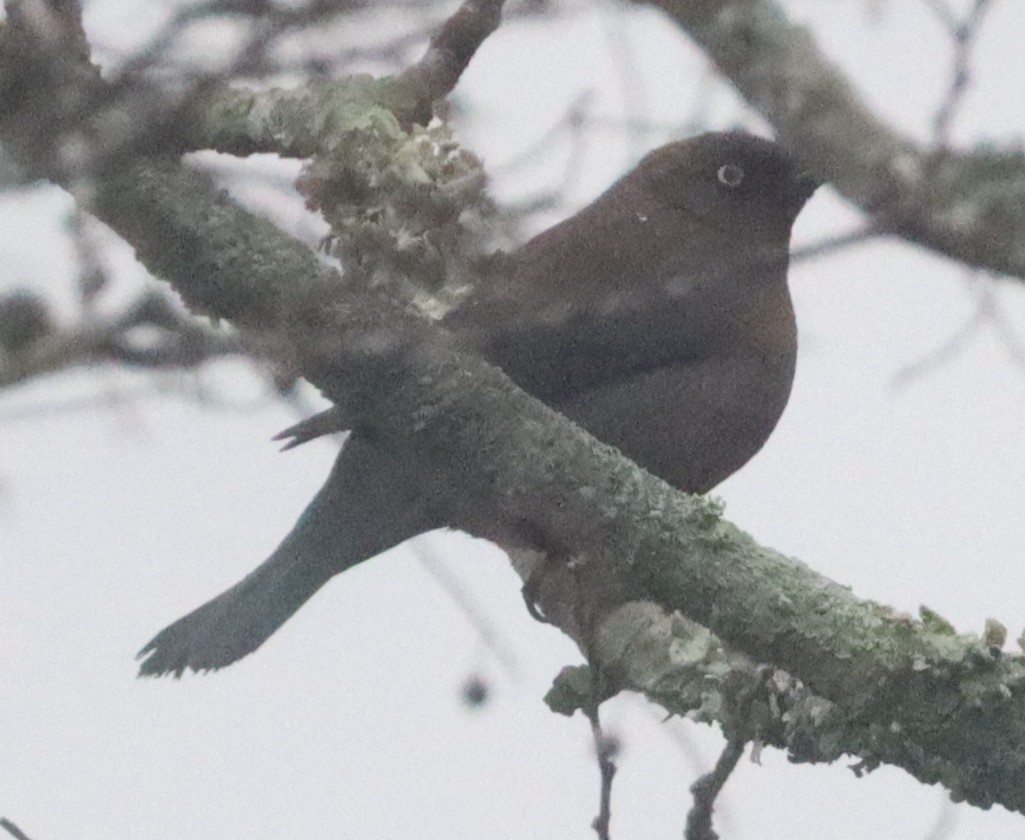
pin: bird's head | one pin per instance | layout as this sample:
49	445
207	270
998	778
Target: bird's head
732	181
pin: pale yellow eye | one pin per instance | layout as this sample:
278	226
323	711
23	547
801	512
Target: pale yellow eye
730	175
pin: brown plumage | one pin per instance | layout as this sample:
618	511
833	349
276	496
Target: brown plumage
658	318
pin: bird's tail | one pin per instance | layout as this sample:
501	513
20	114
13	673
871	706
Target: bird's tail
233	624
368	504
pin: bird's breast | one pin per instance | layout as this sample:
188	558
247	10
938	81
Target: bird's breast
693	423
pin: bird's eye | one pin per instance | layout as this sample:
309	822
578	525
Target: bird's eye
730	175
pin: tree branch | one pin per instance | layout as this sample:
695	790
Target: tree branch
946	708
32	345
452	47
968	206
901	693
318	116
13	830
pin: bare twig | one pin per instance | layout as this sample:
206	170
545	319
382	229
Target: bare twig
177	341
832	244
12	829
452	47
707	789
488	632
605	749
92	274
943	13
963	33
269	19
946	820
1009	337
120	395
986	312
953	346
576	115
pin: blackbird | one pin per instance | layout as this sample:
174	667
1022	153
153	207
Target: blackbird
658	318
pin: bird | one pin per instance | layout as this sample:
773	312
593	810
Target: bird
658	318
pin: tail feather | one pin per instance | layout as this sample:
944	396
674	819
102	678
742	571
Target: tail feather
233	624
369	503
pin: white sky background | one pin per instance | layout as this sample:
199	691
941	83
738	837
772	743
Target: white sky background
117	519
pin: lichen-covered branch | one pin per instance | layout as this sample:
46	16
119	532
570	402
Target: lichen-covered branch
946	708
305	121
316	117
969	206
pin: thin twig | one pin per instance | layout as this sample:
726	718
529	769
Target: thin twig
176	341
953	346
707	789
944	13
487	630
1009	338
946	820
576	114
963	33
739	730
452	47
93	276
12	829
605	748
830	245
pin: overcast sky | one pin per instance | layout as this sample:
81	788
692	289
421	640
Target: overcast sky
894	471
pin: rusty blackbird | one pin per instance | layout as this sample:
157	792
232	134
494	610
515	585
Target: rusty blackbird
658	318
